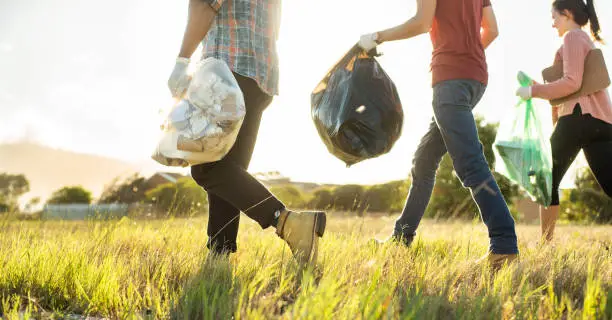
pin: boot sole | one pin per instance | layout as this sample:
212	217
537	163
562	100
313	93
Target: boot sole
320	223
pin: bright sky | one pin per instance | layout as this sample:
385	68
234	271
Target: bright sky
90	76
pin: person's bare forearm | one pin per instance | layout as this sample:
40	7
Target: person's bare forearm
489	27
200	18
419	24
487	36
408	29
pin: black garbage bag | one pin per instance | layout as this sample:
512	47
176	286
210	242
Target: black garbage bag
356	108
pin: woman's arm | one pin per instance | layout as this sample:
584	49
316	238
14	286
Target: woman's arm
575	50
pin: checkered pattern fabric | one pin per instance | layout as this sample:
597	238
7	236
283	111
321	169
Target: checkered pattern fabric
244	35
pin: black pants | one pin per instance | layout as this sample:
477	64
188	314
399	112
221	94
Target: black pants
581	131
230	187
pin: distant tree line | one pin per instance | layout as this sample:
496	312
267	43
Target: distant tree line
450	199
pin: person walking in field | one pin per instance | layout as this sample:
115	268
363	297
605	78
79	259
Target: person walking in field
243	33
459	72
583	122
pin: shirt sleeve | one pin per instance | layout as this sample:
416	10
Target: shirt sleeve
574	52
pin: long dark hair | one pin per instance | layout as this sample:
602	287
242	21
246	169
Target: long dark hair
583	14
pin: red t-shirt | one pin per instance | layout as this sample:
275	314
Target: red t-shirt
455	34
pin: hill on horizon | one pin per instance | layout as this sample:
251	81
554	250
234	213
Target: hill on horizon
48	169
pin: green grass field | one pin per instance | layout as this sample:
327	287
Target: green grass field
158	269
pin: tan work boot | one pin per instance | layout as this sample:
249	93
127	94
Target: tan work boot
301	231
497	261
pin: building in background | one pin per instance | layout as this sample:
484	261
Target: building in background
160	178
275	178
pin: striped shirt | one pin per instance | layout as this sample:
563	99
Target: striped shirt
244	35
573	52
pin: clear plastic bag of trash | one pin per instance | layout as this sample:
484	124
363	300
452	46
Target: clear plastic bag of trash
203	126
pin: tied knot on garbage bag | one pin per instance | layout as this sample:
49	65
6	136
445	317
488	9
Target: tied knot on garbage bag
356	108
203	126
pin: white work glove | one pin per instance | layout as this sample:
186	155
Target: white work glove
179	79
367	42
524	93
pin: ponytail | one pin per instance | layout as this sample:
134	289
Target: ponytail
594	22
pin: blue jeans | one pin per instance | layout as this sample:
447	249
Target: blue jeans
453	130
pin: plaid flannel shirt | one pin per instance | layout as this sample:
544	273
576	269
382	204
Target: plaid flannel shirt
244	35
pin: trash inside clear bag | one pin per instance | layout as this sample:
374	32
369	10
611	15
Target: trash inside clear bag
203	126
